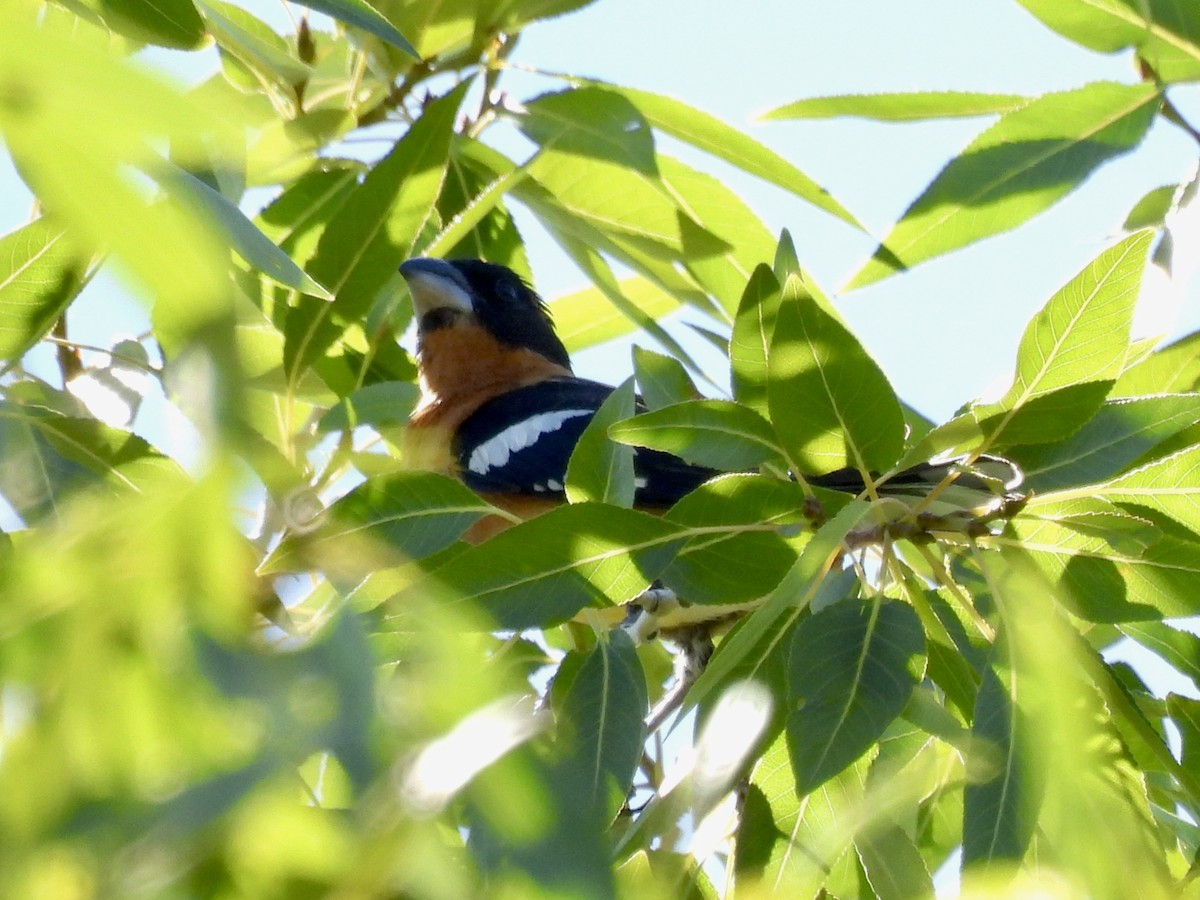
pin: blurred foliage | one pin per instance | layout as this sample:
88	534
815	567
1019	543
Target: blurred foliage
271	668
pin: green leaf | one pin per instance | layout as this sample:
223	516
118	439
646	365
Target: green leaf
544	571
48	456
1185	713
362	15
599	469
168	23
591	122
899	107
662	380
723	271
1108	577
753	332
1019	167
792	844
253	43
853	667
743	557
1166	34
582	319
763	629
382	403
719	434
1179	648
1152	210
415	513
375	230
294	220
710	134
1071	352
244	237
616	200
997	805
603	712
1121	432
830	403
1173	369
893	864
1170	485
40	274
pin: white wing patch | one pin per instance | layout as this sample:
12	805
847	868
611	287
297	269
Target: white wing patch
496	451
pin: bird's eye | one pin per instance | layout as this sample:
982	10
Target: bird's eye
508	292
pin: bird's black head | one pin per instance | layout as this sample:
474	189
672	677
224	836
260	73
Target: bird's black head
446	290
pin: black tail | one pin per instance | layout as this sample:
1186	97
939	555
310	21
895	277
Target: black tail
984	483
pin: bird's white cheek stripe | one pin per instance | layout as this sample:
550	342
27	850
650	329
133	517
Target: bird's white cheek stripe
496	451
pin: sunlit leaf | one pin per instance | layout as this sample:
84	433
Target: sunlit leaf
1071	351
415	513
707	132
375	229
383	403
602	470
1121	432
546	570
40	273
1164	33
169	23
1170	485
715	433
1023	164
830	403
362	14
591	122
1173	369
750	344
253	42
584	319
900	107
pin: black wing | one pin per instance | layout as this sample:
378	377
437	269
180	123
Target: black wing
520	442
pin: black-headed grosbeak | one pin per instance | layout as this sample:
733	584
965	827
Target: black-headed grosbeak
501	408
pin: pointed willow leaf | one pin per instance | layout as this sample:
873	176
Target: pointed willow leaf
416	513
599	469
1121	432
662	380
1170	485
168	23
583	319
1152	210
893	864
901	107
603	712
721	212
591	122
1173	369
1165	33
750	344
715	433
745	562
362	15
40	273
803	583
996	802
830	403
1177	647
253	42
294	220
244	237
375	229
723	141
853	667
789	843
1072	350
47	456
1108	583
383	403
545	570
1185	713
1019	167
616	199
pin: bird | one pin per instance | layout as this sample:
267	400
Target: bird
501	408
